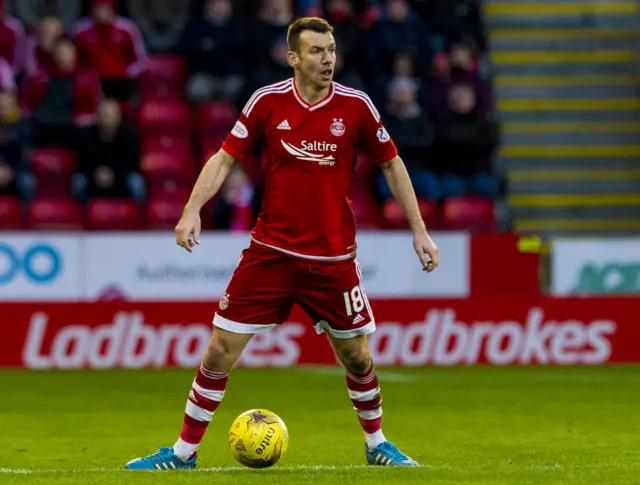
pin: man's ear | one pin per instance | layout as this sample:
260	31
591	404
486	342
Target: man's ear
293	59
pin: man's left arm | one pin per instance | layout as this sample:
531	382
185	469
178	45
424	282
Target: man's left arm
401	188
380	149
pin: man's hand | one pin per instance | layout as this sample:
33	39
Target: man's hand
424	245
189	225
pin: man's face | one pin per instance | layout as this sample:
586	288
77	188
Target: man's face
65	55
103	13
7	105
49	30
109	114
317	58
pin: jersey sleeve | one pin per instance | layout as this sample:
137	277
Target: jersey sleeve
374	139
245	133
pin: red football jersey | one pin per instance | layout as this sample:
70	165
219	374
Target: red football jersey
311	155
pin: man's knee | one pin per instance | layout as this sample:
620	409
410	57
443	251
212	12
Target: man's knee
224	349
354	354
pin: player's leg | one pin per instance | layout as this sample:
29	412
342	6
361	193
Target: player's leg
336	301
208	388
257	299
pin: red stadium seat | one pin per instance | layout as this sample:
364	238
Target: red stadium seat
113	214
164	118
429	212
164	213
169	189
53	169
392	216
474	214
216	119
55	213
164	78
167	156
11	213
209	146
367	212
53	161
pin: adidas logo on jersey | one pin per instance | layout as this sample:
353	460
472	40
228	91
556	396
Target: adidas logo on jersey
359	318
284	125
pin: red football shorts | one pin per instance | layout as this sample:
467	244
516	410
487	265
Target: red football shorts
267	283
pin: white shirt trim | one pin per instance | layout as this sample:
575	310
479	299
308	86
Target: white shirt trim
312	107
307	256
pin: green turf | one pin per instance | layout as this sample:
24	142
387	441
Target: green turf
466	425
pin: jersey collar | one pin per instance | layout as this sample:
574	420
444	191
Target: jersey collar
317	104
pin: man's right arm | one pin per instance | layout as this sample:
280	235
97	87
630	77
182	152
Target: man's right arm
236	147
209	182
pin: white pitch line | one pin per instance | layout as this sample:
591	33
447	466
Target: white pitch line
51	471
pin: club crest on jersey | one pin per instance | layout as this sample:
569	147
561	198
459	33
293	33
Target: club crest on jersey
337	127
382	135
224	302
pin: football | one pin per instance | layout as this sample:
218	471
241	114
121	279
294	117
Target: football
258	438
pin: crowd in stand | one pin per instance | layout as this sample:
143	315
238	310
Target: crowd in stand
108	109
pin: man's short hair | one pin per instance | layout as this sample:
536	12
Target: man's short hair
315	24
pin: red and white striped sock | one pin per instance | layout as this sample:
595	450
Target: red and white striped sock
364	392
206	393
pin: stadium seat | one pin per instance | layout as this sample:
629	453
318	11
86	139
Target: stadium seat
216	119
209	145
11	213
53	169
169	189
392	215
164	118
167	156
367	212
164	78
55	213
474	214
48	161
113	214
429	212
164	213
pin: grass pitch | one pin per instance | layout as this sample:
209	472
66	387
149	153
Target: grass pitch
465	425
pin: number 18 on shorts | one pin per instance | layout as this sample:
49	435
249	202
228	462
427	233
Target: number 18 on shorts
266	284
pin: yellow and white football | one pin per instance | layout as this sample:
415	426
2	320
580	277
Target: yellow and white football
258	438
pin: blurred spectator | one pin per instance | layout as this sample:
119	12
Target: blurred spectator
413	134
233	210
459	65
110	157
347	31
7	80
39	55
217	47
160	21
464	145
113	47
398	30
63	101
13	146
346	73
32	12
11	38
276	66
269	29
455	20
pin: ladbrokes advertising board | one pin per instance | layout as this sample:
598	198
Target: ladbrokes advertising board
409	333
